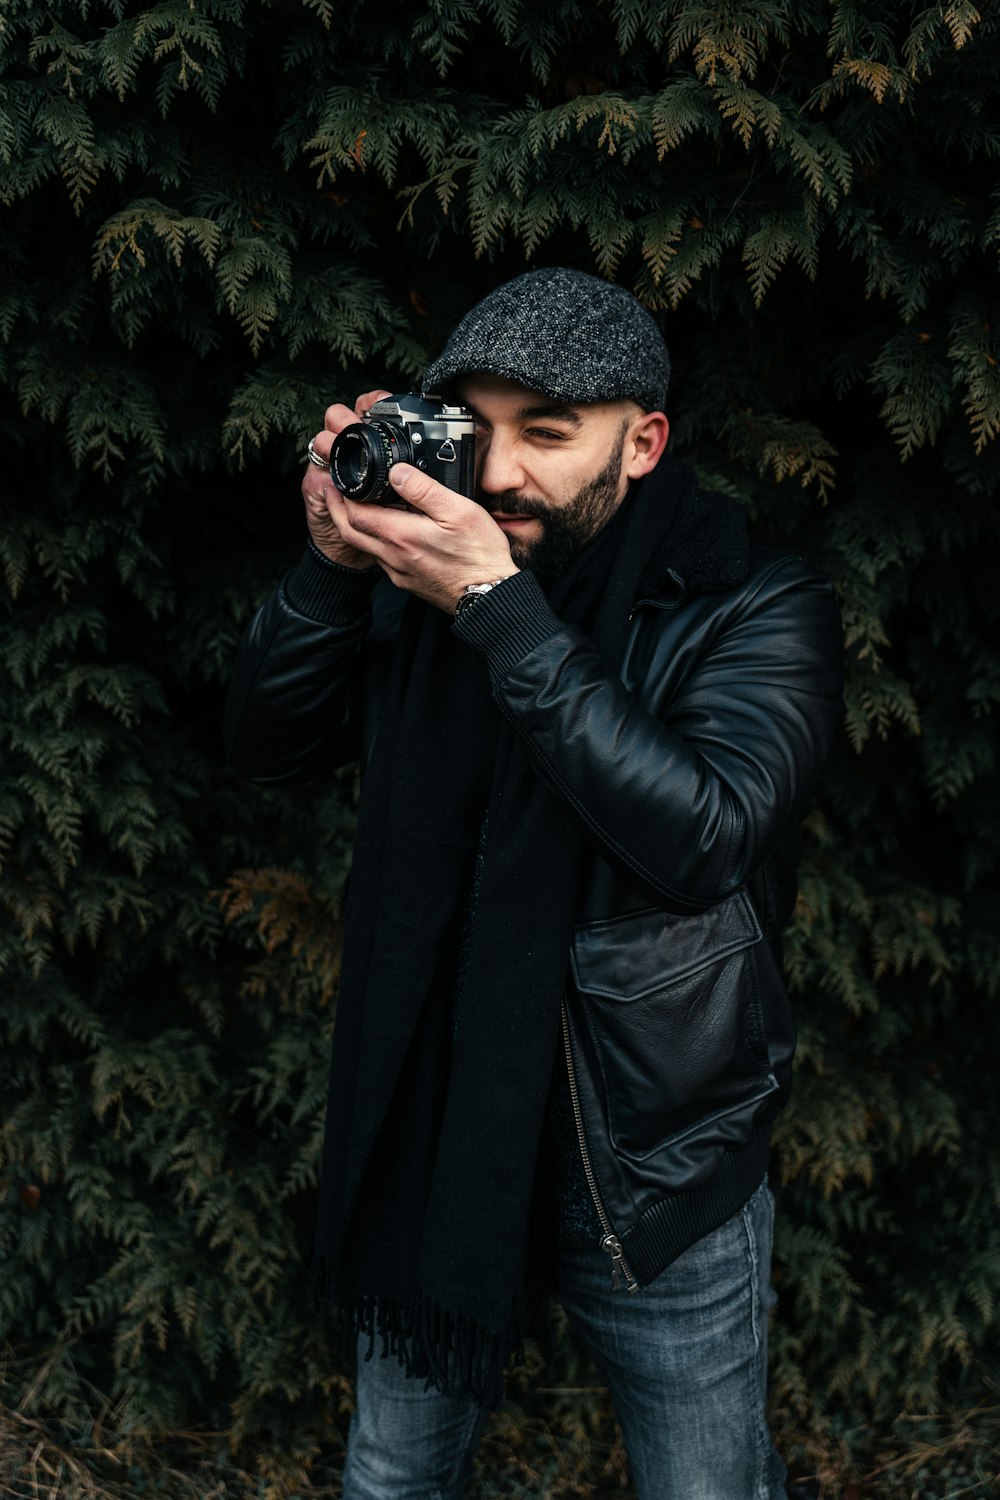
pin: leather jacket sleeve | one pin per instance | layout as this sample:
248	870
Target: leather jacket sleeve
689	772
292	697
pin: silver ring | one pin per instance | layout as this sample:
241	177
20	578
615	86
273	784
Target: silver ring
314	457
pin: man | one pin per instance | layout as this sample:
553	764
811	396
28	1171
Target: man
590	716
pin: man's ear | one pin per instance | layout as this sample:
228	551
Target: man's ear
645	443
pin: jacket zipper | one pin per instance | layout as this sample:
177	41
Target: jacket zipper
610	1243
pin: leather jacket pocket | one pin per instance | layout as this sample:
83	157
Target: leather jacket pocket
670	1017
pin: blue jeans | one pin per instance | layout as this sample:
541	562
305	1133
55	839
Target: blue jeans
685	1360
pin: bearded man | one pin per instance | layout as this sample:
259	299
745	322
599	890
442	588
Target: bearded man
590	715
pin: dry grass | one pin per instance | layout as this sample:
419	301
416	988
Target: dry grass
547	1443
42	1460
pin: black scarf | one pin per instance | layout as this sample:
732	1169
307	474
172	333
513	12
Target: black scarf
432	1234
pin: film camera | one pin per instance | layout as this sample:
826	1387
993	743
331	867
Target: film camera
423	431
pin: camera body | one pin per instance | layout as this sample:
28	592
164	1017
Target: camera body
421	430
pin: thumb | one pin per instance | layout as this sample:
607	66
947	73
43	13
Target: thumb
422	492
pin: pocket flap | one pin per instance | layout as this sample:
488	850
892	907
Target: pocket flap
624	958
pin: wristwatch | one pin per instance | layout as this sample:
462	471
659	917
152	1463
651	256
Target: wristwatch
468	596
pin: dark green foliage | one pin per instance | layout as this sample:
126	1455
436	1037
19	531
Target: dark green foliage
220	215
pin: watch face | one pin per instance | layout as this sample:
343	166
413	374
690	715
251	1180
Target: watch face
472	593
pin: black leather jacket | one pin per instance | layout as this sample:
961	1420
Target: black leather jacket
691	773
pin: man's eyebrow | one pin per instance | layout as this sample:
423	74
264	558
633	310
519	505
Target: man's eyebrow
557	409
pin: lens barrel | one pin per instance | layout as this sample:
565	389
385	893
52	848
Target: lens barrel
363	454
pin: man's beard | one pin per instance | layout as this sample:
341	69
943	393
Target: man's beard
567	528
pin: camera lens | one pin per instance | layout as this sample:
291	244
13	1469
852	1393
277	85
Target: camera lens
362	456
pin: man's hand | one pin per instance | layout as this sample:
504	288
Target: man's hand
434	550
318	486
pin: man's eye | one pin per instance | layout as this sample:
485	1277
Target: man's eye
547	433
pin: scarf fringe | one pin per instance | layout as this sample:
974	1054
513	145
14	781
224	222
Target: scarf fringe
462	1358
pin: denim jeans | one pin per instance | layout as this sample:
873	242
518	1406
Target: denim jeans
685	1360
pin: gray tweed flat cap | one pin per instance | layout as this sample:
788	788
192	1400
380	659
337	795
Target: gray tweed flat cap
566	334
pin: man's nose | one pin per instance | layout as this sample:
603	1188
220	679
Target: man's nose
499	467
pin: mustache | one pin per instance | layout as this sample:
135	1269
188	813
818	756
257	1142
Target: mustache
513	504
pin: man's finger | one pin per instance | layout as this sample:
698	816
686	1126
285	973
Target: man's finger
321	445
367	401
367	527
424	493
338	416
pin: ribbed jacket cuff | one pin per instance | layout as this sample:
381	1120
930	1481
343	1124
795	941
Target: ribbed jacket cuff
676	1222
508	622
327	591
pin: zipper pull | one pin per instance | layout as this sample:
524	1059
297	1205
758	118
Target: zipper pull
611	1244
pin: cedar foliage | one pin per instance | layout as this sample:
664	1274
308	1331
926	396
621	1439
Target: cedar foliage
218	215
